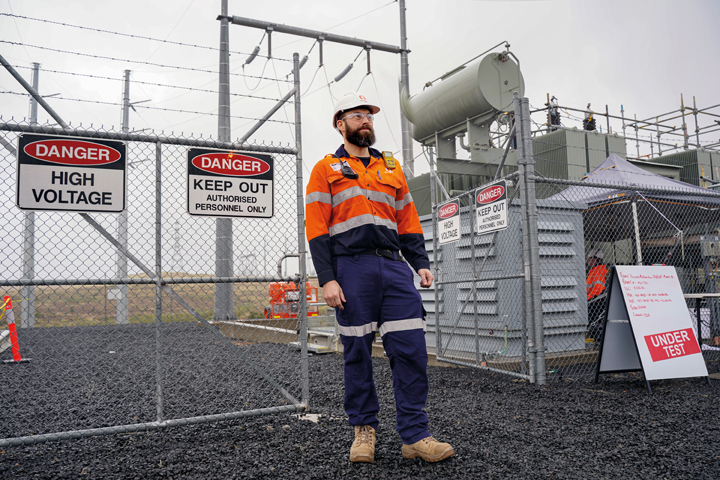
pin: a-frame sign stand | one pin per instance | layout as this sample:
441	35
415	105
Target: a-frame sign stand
618	349
647	327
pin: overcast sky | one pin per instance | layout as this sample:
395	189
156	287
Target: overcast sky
640	54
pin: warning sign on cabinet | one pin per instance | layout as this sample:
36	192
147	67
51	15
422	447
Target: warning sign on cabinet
491	208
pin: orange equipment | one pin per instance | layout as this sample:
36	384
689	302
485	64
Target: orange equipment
285	300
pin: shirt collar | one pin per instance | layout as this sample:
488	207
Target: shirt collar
341	152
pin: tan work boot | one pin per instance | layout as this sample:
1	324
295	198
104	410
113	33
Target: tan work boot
428	449
363	448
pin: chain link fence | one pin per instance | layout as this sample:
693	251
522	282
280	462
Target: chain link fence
125	320
516	301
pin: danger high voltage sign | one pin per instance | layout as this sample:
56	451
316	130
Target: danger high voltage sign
70	174
230	184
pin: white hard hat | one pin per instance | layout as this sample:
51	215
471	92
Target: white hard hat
350	101
595	252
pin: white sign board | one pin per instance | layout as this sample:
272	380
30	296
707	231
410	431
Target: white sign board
70	174
491	208
658	319
449	222
230	184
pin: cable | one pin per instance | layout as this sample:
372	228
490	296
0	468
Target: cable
311	82
261	72
332	97
172	30
164	85
383	108
117	104
343	23
128	60
123	34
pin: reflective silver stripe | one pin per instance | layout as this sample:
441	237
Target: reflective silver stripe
407	200
381	197
402	325
367	219
598	282
360	331
387	223
318	197
346	194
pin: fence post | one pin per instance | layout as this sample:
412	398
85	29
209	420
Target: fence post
304	369
531	245
27	302
436	255
527	298
158	280
122	314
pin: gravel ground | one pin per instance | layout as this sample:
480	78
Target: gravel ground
500	427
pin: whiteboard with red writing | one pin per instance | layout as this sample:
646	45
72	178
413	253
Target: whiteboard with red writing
660	322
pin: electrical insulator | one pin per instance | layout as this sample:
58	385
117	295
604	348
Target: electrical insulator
252	55
303	62
343	73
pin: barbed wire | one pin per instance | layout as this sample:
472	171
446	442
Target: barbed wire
140	37
164	85
146	107
102	57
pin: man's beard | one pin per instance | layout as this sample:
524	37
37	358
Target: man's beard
359	138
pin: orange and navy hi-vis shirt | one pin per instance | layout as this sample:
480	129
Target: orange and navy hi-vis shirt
350	216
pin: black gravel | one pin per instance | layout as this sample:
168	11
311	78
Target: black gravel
500	427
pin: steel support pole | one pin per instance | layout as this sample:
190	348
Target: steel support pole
33	92
637	139
436	257
407	147
302	258
122	307
531	247
535	272
224	293
684	125
158	282
27	293
697	130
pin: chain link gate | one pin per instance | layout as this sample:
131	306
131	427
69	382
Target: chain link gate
116	312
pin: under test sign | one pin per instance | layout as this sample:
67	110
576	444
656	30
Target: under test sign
70	174
449	222
491	208
229	184
661	324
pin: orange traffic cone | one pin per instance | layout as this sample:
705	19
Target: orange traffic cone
7	303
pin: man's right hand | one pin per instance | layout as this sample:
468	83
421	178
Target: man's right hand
333	294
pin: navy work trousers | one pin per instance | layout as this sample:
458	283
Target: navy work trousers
380	296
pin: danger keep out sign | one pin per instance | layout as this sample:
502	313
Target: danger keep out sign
70	174
491	208
230	184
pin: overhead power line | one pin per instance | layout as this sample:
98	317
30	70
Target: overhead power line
193	89
125	60
140	37
146	107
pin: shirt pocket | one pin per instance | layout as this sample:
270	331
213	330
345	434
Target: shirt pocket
389	185
345	192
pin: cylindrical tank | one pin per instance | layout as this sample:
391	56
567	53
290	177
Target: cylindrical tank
483	86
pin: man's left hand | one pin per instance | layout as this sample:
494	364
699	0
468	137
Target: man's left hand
426	278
